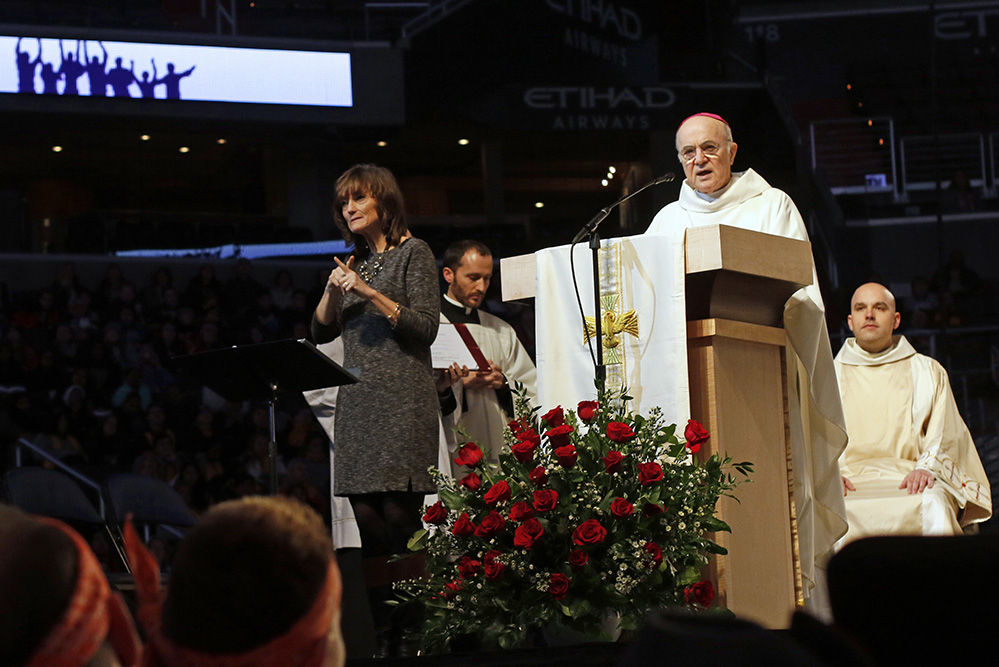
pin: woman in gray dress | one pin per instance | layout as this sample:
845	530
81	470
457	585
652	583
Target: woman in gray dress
384	302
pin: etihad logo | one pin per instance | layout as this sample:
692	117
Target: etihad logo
609	98
601	14
967	24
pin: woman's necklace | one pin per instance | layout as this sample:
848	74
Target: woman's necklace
372	266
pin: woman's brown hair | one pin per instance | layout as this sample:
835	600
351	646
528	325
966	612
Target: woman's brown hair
373	181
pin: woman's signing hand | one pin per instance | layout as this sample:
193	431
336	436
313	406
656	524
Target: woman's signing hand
344	278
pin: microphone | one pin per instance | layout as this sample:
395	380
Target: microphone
592	225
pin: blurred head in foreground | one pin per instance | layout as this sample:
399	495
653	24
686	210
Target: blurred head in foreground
255	582
57	607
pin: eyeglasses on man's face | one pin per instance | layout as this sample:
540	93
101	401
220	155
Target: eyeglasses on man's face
709	149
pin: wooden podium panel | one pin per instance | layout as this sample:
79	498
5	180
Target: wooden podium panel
737	392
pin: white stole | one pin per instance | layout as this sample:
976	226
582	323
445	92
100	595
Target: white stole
638	285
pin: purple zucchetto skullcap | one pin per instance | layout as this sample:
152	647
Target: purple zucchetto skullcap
703	113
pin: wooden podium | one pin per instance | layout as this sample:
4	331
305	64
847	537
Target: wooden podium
737	282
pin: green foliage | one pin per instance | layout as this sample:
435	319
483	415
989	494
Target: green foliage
496	588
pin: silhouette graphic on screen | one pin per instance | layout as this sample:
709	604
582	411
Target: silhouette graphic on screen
96	72
147	85
50	77
172	81
121	78
71	69
26	68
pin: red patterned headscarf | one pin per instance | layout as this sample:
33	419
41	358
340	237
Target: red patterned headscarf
94	614
303	645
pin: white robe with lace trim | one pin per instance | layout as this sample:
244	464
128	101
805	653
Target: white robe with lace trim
901	415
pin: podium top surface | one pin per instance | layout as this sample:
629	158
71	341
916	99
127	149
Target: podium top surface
264	370
724	248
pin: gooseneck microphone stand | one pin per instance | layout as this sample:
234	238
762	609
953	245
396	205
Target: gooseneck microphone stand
590	230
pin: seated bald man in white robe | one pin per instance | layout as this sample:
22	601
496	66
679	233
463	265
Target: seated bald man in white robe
910	467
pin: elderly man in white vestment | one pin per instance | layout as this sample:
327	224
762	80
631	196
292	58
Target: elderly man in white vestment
911	467
485	397
712	194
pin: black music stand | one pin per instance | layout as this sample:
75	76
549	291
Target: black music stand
261	372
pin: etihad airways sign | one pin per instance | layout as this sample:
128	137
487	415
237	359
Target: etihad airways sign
603	15
595	97
599	107
606	31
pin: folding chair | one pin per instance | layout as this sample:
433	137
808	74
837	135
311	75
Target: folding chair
150	501
54	494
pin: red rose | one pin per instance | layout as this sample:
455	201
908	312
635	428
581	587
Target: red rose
493	524
621	508
528	533
612	461
494	568
587	410
578	558
436	514
589	532
529	435
558	585
469	455
452	589
559	436
471	481
463	527
545	500
521	511
650	473
468	568
702	593
538	476
655	552
523	451
516	426
619	432
499	492
651	509
695	435
566	456
554	417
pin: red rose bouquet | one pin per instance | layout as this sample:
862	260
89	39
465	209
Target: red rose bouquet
605	513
